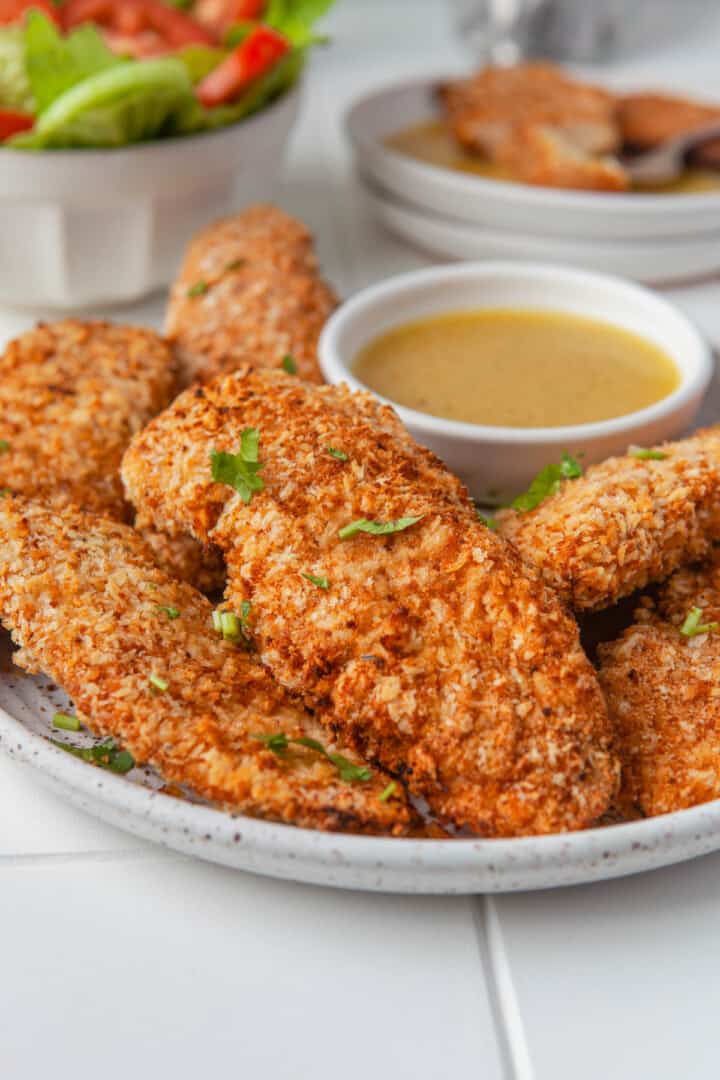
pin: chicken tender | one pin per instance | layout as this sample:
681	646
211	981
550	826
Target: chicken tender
71	395
663	691
249	291
89	608
647	120
429	646
547	128
626	523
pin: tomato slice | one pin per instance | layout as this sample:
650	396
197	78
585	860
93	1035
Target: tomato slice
130	17
259	52
13	11
12	122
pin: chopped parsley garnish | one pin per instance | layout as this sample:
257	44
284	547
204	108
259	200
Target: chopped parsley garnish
388	791
105	754
232	626
321	582
4	492
167	609
4	446
339	455
692	625
158	683
66	723
376	528
547	482
198	289
486	519
240	471
642	454
289	364
235	265
348	770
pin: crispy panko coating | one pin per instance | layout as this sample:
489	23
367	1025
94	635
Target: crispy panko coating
249	292
647	119
71	396
547	128
663	691
89	608
542	155
432	649
625	523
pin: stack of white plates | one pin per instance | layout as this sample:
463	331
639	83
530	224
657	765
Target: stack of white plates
658	238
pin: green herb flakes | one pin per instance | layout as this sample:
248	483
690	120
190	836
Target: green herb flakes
348	770
692	625
167	609
65	722
321	582
240	471
158	683
547	482
4	446
289	364
105	754
388	791
376	528
198	289
641	454
339	455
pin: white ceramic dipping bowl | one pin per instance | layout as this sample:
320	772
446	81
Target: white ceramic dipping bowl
498	462
87	227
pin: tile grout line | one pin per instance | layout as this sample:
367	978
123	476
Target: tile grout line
68	858
512	1040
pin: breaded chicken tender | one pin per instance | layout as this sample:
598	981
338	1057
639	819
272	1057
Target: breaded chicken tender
429	647
249	292
663	691
71	395
89	608
624	524
547	128
646	120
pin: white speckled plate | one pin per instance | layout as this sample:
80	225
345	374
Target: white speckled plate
135	803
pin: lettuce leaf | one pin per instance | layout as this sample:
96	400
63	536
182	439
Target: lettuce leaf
200	60
55	63
15	89
295	19
127	103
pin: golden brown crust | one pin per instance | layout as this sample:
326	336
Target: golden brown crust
547	128
87	604
625	523
648	119
663	691
544	156
433	649
71	395
263	298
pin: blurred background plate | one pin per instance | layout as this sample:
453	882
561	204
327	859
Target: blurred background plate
665	260
502	205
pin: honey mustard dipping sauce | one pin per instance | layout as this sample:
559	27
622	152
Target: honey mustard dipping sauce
516	368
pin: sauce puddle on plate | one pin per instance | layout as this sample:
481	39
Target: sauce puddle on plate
516	368
434	143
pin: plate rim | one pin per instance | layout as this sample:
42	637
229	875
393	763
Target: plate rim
496	865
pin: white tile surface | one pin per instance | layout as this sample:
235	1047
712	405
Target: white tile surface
185	970
619	980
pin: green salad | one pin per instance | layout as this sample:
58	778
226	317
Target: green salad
109	73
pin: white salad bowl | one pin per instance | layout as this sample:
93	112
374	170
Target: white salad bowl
498	462
86	227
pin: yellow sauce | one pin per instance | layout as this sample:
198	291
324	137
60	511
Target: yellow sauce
516	368
434	143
